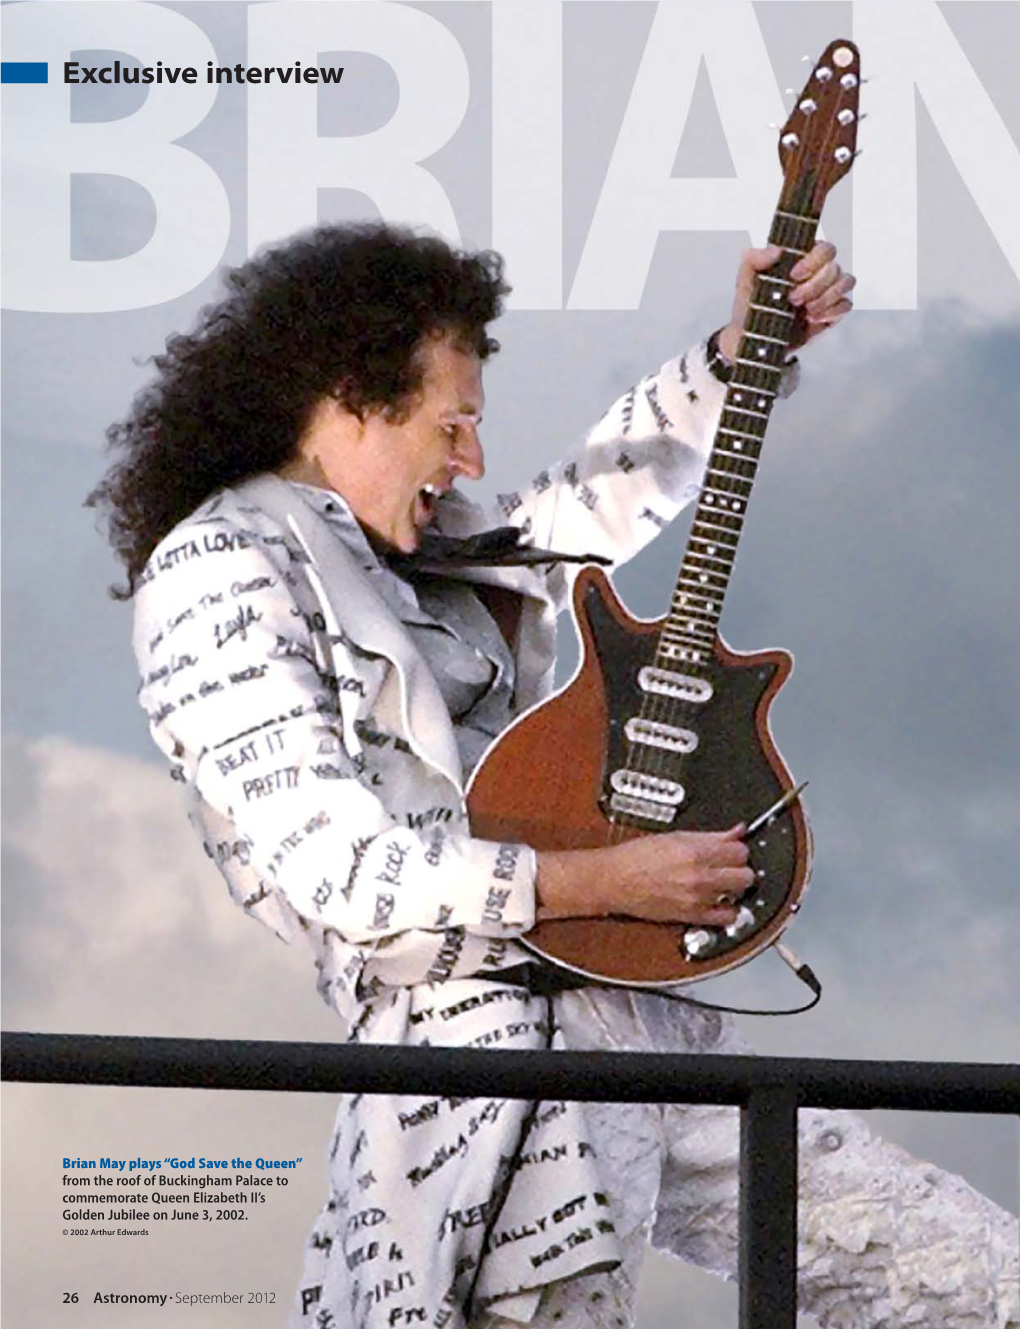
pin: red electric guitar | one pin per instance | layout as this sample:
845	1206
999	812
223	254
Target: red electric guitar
664	727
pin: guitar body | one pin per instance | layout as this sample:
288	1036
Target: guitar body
546	783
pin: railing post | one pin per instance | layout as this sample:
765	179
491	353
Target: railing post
768	1209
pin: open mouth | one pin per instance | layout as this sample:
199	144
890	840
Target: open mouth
428	496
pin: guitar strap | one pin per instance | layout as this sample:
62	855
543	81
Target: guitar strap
504	606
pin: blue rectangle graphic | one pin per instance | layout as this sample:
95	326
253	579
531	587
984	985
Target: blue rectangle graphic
24	71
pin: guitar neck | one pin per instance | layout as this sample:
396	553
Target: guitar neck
685	643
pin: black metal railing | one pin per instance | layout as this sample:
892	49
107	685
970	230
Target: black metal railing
768	1090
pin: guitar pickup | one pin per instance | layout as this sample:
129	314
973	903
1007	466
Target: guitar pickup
666	683
655	734
641	807
649	788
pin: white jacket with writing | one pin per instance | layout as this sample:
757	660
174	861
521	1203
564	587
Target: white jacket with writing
324	777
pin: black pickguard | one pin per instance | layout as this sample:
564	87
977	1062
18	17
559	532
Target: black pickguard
727	778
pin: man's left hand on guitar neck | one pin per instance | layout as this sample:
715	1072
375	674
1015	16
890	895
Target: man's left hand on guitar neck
823	293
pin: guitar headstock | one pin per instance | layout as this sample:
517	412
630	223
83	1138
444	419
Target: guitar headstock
818	143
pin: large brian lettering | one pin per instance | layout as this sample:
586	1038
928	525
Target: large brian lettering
527	149
288	162
640	197
192	209
910	48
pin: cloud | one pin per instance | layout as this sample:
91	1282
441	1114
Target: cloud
115	919
116	922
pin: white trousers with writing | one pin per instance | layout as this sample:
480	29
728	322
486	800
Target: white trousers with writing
884	1241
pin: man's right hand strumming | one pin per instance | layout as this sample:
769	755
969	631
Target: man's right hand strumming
671	877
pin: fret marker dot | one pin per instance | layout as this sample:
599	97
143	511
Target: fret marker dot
737	445
711	549
777	295
736	506
761	401
703	577
761	350
708	499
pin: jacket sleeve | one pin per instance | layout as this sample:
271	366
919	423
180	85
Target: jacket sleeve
637	468
241	684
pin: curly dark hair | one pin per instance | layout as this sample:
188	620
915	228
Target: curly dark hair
339	311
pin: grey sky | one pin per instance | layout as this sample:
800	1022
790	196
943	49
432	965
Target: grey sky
880	549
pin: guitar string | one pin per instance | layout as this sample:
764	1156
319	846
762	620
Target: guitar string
663	709
698	563
678	712
652	708
784	232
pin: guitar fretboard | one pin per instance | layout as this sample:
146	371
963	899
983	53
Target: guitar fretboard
690	627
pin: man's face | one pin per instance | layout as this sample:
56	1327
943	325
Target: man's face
406	464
